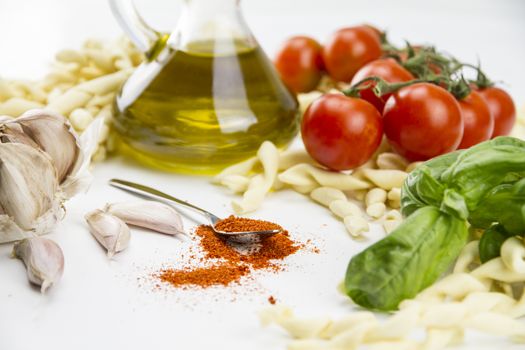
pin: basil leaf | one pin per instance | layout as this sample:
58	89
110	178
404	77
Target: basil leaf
504	204
479	169
408	260
422	186
491	242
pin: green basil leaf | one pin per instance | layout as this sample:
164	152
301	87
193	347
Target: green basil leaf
422	186
504	204
408	260
491	242
479	169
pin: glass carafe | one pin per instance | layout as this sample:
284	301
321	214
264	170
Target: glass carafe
206	96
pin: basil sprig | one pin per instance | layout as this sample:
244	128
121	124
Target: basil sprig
481	186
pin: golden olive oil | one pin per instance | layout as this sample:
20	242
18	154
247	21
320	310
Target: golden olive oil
198	110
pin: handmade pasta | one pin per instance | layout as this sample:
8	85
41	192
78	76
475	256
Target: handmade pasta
296	170
375	195
344	208
376	210
469	255
327	195
242	168
390	225
302	174
356	225
445	310
391	161
385	179
81	85
513	254
260	185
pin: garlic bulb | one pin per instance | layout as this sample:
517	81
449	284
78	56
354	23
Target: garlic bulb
11	132
111	232
153	215
43	259
28	192
42	163
54	135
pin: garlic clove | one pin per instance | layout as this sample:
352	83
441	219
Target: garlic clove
110	231
152	215
13	133
28	185
54	135
43	259
80	177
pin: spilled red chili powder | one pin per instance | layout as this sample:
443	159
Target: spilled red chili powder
233	264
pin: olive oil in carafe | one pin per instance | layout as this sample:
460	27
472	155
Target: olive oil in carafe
201	110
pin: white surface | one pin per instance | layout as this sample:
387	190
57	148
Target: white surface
100	304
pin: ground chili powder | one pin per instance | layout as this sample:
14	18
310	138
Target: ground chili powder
233	263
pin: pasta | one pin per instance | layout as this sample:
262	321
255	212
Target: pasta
469	256
260	185
344	208
302	174
242	168
375	195
379	189
513	255
376	210
412	166
385	179
391	161
460	301
394	198
327	195
81	85
356	225
390	225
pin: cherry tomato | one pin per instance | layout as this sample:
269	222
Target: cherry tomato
503	109
348	50
374	29
478	121
387	69
422	121
300	64
341	132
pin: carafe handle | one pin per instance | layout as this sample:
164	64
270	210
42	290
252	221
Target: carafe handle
140	33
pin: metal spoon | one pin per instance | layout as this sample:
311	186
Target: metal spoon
151	193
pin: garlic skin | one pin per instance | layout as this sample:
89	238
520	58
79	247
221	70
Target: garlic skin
152	215
54	135
13	133
42	164
28	192
110	231
43	259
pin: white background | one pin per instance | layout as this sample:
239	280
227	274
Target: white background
100	304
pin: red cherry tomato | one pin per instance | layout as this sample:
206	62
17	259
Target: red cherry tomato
374	29
341	132
348	50
478	121
503	109
300	64
387	69
422	121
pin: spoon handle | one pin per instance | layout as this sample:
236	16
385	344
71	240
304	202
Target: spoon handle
151	193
